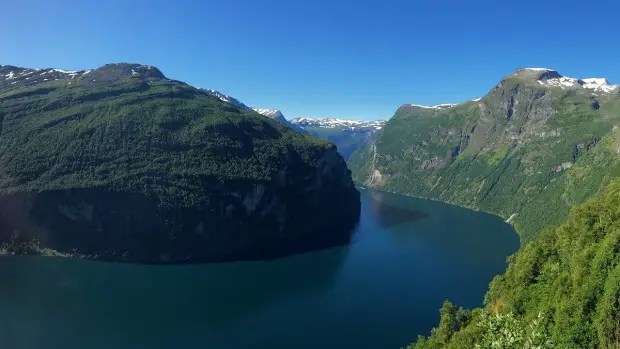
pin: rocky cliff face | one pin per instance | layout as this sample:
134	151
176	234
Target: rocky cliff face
536	144
150	170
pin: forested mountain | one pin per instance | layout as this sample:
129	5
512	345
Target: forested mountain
536	145
531	148
121	163
561	290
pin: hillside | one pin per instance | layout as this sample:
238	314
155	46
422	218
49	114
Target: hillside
279	117
531	148
560	291
348	135
121	163
270	113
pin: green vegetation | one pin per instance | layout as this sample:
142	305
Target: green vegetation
560	291
129	133
346	140
523	149
121	163
536	151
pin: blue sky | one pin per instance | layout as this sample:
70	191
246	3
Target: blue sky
348	59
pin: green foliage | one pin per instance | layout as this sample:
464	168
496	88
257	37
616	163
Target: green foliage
498	156
453	319
523	149
156	136
505	331
560	291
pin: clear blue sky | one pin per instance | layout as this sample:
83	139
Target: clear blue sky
349	59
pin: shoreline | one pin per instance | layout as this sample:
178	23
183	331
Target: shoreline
506	220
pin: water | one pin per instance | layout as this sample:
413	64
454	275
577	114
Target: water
408	255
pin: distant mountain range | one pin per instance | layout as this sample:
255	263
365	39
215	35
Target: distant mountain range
348	135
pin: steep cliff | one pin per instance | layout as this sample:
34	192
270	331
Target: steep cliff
121	163
536	144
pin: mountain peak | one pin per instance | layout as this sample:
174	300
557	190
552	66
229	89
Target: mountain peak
118	70
272	113
551	78
536	73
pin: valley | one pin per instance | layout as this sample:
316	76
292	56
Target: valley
535	147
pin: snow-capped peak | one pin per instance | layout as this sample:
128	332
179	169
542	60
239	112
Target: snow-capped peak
538	69
226	98
595	84
436	106
272	113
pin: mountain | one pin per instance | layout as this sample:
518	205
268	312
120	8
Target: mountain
535	145
121	163
270	113
348	135
277	116
561	290
226	98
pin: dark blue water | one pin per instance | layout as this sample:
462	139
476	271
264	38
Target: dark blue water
383	290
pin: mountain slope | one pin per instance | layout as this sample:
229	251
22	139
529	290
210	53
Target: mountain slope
348	135
560	291
277	116
227	99
270	113
121	163
536	144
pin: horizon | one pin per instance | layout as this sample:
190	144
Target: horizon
357	61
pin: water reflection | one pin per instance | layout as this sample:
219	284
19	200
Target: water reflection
381	291
389	215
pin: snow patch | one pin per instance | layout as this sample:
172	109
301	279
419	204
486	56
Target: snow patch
65	71
226	98
353	125
599	84
560	82
596	84
267	112
436	106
